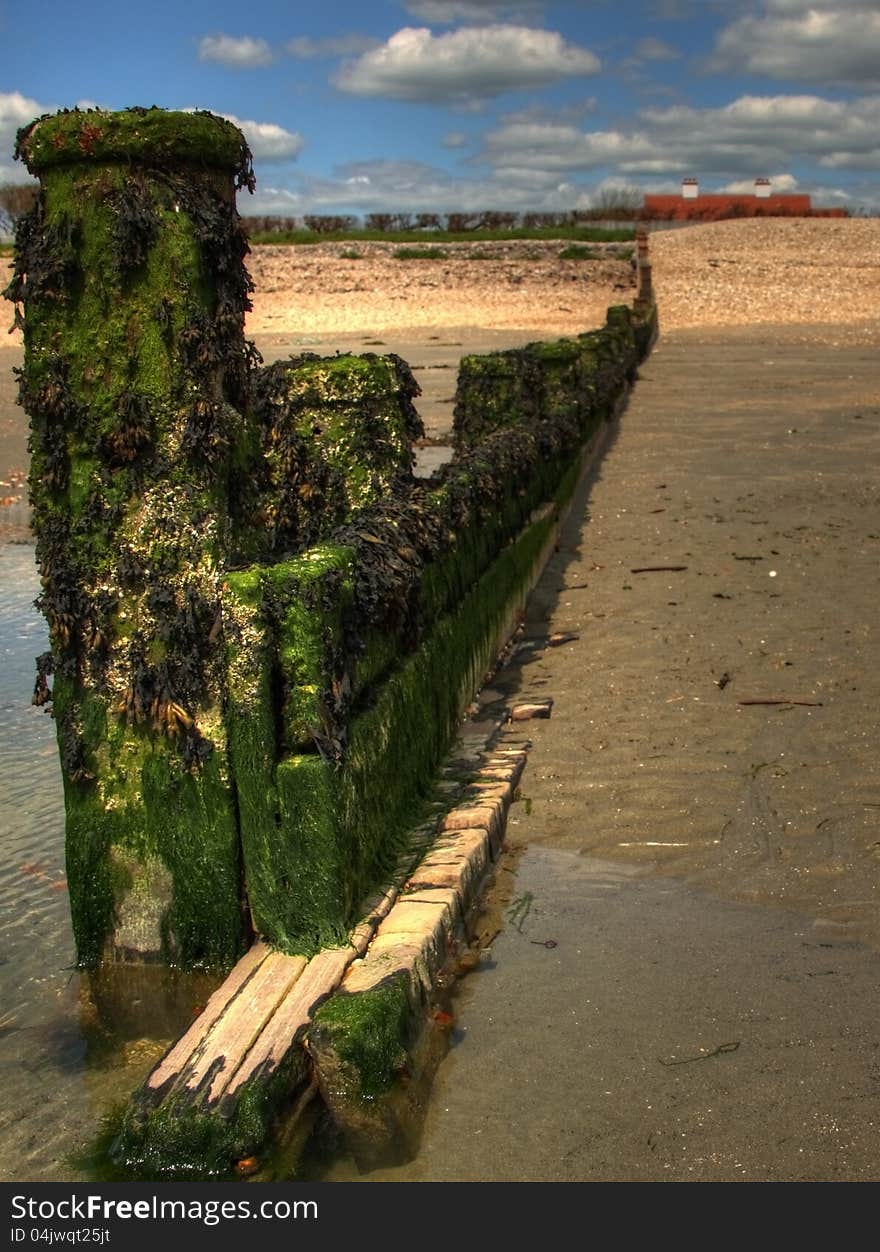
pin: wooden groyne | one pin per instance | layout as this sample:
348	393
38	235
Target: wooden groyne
265	630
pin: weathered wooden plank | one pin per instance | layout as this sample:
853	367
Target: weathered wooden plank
228	1041
319	979
174	1060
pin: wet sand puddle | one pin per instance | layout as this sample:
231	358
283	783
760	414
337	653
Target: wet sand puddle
629	1028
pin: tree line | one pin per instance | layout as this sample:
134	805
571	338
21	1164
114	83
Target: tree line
457	223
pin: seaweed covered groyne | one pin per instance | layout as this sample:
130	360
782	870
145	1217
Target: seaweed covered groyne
263	628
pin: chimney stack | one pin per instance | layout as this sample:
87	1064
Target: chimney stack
690	188
762	188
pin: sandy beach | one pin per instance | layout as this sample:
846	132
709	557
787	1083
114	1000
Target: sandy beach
784	313
818	277
700	822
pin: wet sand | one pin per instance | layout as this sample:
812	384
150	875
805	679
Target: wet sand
707	869
748	459
668	1036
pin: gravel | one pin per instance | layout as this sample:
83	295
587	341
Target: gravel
795	271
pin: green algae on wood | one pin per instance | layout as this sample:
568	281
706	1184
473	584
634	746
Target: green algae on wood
321	827
137	136
335	435
135	363
228	730
543	381
368	1034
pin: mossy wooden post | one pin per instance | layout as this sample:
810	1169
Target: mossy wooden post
131	279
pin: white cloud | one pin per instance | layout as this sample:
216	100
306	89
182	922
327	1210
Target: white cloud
16	111
748	136
413	186
779	185
236	51
455	139
465	65
553	146
304	48
268	141
823	41
564	114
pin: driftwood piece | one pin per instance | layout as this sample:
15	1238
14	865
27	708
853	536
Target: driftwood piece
809	704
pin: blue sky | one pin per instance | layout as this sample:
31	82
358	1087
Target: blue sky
434	105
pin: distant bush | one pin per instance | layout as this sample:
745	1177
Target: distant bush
492	219
541	221
328	225
612	204
16	199
462	223
387	223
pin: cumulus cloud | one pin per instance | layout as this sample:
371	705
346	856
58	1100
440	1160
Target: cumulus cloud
414	186
779	184
16	111
748	136
823	41
268	141
304	48
538	111
465	65
236	51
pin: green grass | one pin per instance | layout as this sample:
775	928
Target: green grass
351	255
578	252
584	234
420	254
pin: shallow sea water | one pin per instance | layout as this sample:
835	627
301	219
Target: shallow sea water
70	1049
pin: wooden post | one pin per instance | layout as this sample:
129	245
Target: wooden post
129	273
645	292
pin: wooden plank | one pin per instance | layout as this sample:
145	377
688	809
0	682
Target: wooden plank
320	978
377	907
174	1060
233	1035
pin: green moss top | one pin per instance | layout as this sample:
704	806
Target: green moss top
147	136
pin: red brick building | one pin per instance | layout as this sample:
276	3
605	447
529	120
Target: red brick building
692	205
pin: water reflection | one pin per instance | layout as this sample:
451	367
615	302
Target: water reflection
72	1045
